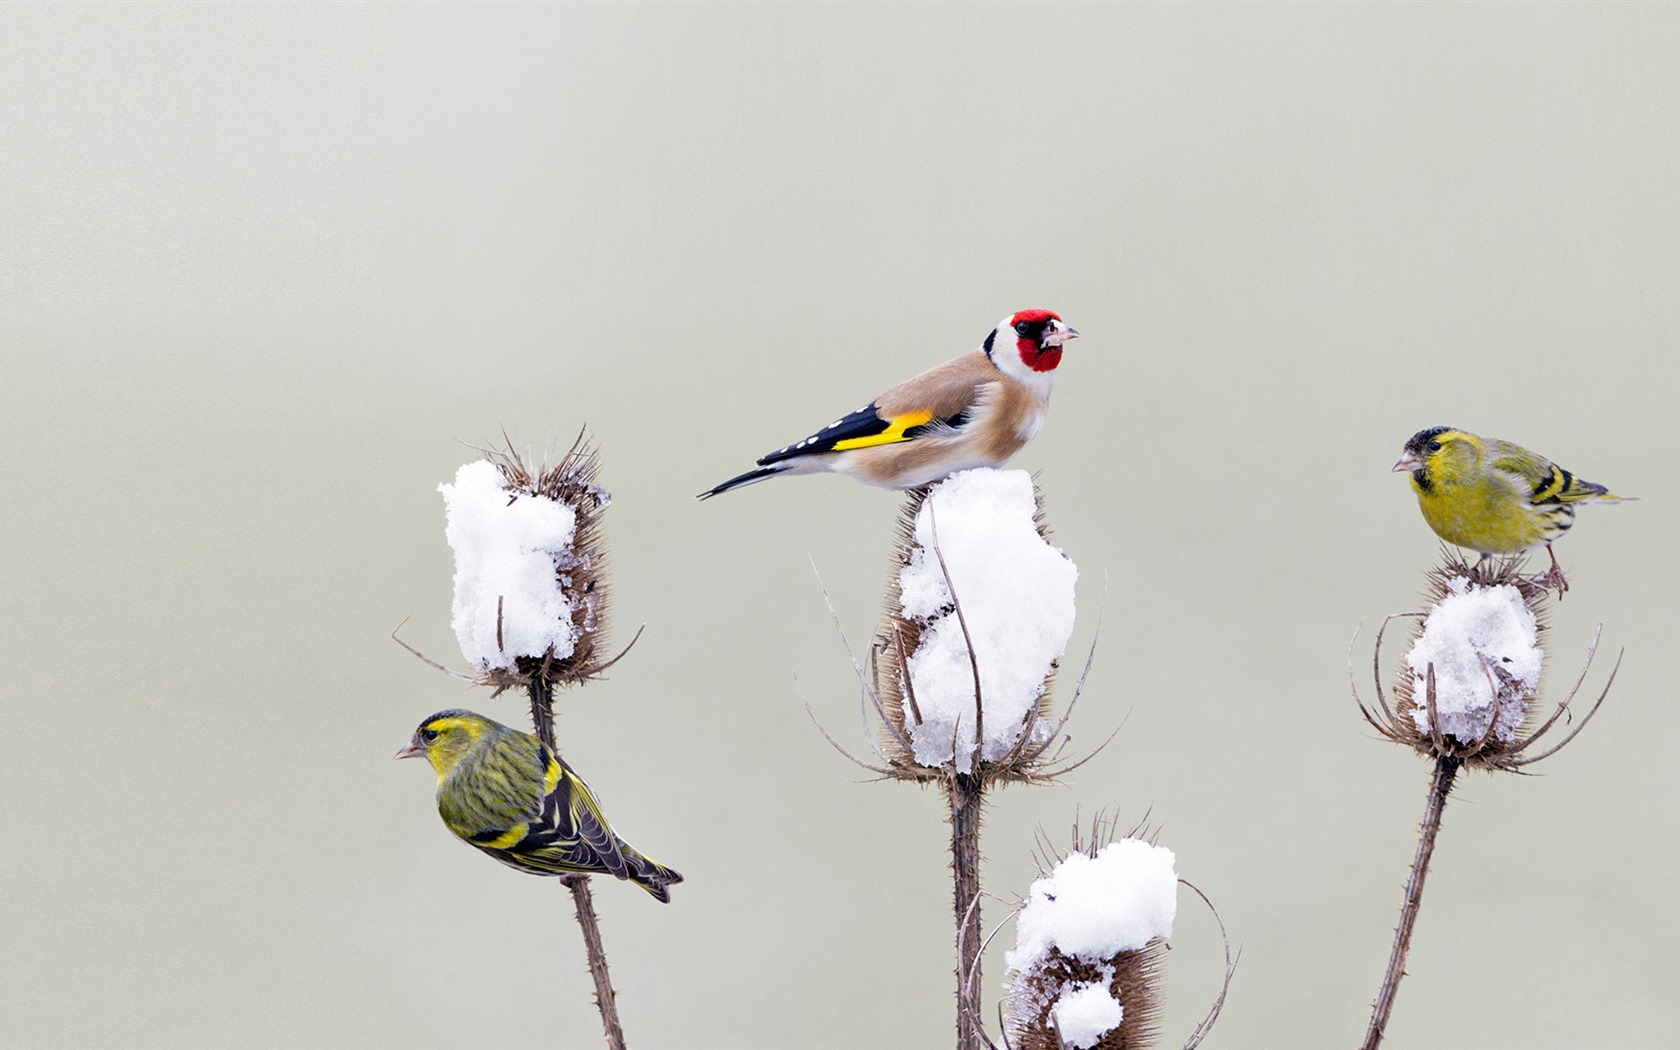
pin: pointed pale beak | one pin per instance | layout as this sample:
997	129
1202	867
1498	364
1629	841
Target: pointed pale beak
1409	462
413	750
1059	333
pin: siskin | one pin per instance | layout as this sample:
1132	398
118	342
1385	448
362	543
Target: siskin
1492	496
505	792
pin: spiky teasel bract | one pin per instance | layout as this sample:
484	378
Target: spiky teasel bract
581	570
900	636
1494	733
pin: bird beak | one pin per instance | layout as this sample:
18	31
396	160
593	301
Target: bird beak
413	750
1059	333
1410	461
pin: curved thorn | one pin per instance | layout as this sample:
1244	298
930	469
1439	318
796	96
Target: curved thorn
1376	659
1054	773
1434	715
423	657
968	641
1201	1030
856	669
1555	748
1562	708
904	667
835	744
622	652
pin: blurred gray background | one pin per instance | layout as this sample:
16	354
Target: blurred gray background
264	269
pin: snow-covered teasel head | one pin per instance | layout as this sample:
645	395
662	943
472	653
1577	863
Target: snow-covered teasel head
979	610
531	585
1085	969
1469	686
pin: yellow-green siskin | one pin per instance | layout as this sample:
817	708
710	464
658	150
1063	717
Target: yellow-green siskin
1492	496
503	791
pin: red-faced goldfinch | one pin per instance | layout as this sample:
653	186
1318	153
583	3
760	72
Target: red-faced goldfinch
976	410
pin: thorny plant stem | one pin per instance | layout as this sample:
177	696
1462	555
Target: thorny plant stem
605	997
967	795
542	709
1446	767
542	717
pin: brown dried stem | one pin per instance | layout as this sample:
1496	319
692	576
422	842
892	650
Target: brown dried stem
966	795
1446	767
605	997
541	692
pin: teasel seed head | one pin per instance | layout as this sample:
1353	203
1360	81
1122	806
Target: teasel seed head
532	590
1469	687
977	613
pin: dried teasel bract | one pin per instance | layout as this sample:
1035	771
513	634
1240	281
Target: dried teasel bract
979	609
1085	969
531	586
1469	687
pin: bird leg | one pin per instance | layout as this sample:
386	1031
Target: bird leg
1554	578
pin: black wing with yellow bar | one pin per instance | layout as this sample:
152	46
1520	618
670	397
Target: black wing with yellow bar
861	429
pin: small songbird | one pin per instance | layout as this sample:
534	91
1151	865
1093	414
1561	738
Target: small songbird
976	410
505	792
1492	496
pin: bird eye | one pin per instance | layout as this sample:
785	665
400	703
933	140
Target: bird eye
1433	447
428	735
1022	328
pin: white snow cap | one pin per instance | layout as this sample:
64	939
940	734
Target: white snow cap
509	548
1094	908
1017	594
1471	626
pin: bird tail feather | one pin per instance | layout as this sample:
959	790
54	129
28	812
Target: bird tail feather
739	480
650	875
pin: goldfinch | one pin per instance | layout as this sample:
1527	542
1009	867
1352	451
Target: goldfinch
976	410
1492	496
504	792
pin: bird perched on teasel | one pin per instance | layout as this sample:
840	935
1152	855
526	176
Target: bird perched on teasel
506	793
1492	496
976	410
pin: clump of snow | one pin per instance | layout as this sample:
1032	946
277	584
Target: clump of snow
509	548
1017	595
1094	908
1478	639
1086	1013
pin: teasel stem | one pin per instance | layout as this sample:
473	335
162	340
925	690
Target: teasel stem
1446	767
967	794
605	997
541	692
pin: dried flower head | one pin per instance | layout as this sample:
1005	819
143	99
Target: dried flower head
1085	971
1469	688
978	610
532	592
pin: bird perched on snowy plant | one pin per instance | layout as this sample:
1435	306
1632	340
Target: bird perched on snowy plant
976	410
505	792
1492	496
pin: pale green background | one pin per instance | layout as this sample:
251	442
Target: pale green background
263	269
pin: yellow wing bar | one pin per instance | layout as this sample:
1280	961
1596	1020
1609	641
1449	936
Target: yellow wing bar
894	432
